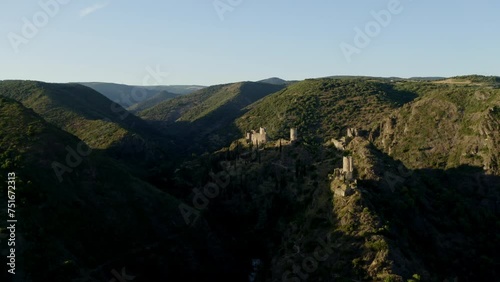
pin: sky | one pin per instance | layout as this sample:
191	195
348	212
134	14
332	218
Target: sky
207	42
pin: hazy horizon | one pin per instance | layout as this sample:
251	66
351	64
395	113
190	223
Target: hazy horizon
230	82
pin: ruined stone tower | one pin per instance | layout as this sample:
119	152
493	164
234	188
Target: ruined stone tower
343	182
352	132
263	135
293	134
348	168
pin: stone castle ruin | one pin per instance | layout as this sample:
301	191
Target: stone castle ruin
352	132
348	168
343	181
257	138
341	143
260	137
293	134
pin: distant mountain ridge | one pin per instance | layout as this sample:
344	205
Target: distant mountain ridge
276	81
152	101
176	89
130	95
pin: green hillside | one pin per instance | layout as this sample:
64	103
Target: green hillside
205	118
152	101
176	89
100	123
81	111
76	109
276	81
98	218
479	79
170	111
448	126
324	107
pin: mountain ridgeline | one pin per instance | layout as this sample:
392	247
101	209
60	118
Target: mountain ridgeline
129	96
426	155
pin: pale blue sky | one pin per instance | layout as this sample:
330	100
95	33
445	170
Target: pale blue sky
115	41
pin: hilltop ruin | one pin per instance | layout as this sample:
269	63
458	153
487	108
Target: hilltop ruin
342	179
260	137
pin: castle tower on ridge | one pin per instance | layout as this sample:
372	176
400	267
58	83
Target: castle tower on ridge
345	167
293	134
257	137
348	168
352	132
263	135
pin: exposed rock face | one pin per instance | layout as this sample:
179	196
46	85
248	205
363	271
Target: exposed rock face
441	134
490	132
